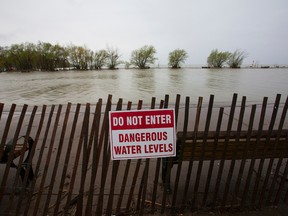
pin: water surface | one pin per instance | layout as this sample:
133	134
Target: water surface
132	84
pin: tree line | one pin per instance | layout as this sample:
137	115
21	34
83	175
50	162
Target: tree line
48	57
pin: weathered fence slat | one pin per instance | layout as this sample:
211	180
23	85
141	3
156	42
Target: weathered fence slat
212	161
271	161
115	167
106	157
200	164
157	171
48	159
136	172
185	126
125	177
40	157
262	160
56	164
222	161
10	157
20	163
94	158
5	134
255	152
244	156
29	165
189	172
67	158
233	161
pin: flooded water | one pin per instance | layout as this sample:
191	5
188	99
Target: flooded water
132	85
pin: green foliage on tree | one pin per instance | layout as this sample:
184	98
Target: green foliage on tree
177	57
81	57
236	59
100	59
113	58
217	59
143	57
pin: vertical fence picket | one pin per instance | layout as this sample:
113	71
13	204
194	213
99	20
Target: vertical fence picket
234	154
84	135
1	109
136	172
245	151
10	157
157	173
200	164
41	152
67	158
20	163
105	164
212	161
47	163
183	138
4	138
285	172
59	151
190	166
125	177
271	160
222	161
282	182
145	173
262	160
115	167
88	210
254	153
29	165
5	134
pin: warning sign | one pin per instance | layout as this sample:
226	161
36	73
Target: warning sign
142	134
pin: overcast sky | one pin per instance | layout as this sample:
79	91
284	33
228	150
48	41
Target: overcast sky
259	27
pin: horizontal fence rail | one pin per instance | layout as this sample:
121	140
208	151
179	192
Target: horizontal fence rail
55	160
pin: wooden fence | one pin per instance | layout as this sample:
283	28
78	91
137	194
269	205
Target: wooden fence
73	173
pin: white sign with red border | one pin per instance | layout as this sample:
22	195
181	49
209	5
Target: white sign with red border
142	134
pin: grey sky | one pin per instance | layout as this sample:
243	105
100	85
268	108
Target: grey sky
260	27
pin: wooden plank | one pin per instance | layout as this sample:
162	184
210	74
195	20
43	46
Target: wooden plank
222	161
213	155
188	177
146	169
59	151
47	163
10	158
178	173
167	174
260	168
115	167
67	158
202	151
126	172
5	133
30	195
85	159
21	158
234	152
136	172
103	140
280	160
245	152
157	173
94	158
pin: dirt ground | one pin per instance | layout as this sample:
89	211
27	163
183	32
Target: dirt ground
281	210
